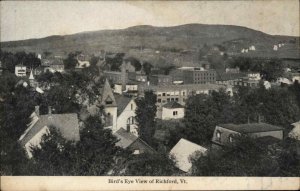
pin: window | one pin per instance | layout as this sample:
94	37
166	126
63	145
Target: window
168	99
136	152
172	99
176	99
164	94
175	113
230	138
183	93
131	106
159	100
218	135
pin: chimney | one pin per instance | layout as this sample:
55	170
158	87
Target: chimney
123	76
49	110
128	128
37	110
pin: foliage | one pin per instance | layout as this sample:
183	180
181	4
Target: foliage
147	67
93	155
203	113
70	62
145	116
150	164
10	60
115	61
246	157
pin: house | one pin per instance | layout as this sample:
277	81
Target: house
119	110
172	110
67	124
131	142
53	65
295	132
228	78
184	151
160	79
224	133
20	70
130	89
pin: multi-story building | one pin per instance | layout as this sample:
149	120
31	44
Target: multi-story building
197	75
180	93
160	79
20	70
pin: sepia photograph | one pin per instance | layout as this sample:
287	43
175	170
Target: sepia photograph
142	95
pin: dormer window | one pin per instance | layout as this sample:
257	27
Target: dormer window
218	135
230	138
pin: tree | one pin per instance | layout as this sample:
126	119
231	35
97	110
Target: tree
245	157
272	70
70	62
150	164
145	116
203	113
147	67
93	155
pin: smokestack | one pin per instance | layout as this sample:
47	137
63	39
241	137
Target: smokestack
123	76
37	110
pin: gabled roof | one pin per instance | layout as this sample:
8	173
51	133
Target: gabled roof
183	151
251	127
67	124
125	138
107	93
172	105
122	102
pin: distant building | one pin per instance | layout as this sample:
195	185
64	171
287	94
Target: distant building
137	76
53	65
67	124
179	93
228	78
198	75
184	151
130	89
225	133
131	142
160	79
295	132
172	110
232	70
296	77
20	70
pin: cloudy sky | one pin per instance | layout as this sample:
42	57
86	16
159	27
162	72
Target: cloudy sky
35	19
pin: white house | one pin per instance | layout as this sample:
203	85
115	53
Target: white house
20	70
172	110
184	151
119	110
67	124
295	132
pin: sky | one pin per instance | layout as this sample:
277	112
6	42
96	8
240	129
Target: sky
35	19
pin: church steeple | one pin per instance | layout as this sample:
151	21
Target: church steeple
31	77
107	97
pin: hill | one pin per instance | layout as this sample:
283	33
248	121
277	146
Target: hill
175	43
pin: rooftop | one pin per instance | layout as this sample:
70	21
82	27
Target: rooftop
125	138
251	127
189	87
183	151
122	102
172	104
67	124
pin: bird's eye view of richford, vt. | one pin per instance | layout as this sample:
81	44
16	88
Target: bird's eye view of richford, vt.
150	88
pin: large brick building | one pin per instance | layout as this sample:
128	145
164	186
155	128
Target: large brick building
195	75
